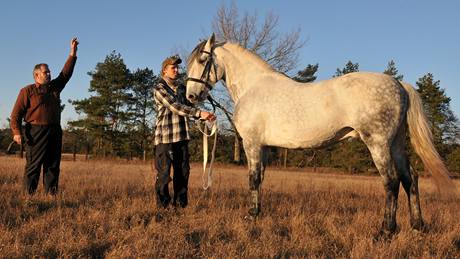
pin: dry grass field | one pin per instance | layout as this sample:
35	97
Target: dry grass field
106	209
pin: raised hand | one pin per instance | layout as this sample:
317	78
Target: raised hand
73	47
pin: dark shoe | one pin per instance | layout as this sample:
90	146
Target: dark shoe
182	204
162	203
52	191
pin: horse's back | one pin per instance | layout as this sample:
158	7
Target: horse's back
343	99
367	93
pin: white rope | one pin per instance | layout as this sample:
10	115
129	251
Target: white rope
207	181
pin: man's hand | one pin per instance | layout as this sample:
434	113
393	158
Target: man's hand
17	139
204	115
73	47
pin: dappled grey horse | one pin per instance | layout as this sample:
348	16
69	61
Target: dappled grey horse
273	110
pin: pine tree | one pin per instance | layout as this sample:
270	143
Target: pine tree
307	74
444	124
141	109
349	68
393	71
106	110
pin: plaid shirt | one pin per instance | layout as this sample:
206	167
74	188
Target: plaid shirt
173	111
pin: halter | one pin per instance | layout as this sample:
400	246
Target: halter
207	71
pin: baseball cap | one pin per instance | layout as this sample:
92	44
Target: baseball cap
172	60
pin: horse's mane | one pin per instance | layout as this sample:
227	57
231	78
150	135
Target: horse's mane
239	50
251	55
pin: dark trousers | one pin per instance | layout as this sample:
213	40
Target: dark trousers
175	154
43	148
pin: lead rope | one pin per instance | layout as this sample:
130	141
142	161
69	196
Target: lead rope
206	183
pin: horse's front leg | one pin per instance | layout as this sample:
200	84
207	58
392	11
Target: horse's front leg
254	155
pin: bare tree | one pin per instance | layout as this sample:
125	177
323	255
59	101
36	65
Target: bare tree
279	50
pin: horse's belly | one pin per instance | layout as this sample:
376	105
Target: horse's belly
305	137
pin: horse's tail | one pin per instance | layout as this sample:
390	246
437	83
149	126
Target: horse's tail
422	141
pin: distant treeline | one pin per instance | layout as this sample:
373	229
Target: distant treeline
117	121
350	155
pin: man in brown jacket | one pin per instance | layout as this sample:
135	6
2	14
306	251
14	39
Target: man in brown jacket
39	105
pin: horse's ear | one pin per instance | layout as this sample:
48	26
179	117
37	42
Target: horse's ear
208	47
212	39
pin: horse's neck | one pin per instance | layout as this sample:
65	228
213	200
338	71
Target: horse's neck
240	69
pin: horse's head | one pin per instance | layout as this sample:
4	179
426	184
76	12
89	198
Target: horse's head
203	71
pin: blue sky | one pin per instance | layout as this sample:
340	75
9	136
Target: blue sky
420	36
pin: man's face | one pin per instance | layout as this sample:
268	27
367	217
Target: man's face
42	75
171	71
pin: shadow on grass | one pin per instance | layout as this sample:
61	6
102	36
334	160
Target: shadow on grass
456	243
195	237
22	211
95	250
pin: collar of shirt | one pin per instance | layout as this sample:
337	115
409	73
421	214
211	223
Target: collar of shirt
171	83
41	89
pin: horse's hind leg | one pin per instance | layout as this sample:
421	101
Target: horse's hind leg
380	152
254	156
409	178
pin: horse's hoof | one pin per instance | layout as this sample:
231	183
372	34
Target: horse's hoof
254	211
418	226
249	218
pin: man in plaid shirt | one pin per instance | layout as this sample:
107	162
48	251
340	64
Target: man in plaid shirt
172	135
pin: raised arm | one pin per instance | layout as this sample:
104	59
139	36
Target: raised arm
67	70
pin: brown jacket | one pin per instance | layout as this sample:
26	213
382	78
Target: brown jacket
41	105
